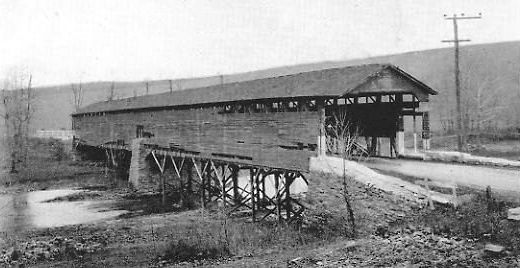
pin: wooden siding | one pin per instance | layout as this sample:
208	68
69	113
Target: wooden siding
279	139
390	82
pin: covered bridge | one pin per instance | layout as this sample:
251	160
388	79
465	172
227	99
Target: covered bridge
274	122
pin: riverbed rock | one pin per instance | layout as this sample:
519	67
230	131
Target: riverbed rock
494	250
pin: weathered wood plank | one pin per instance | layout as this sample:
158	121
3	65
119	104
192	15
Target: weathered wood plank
268	138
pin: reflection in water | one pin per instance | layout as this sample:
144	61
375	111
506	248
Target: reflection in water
297	187
28	210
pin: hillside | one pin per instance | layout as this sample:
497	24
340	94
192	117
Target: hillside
493	70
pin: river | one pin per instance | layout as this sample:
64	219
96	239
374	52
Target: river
20	212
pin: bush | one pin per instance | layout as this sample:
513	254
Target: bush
196	249
57	149
327	224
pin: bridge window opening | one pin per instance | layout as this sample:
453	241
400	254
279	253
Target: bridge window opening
239	108
225	109
139	131
302	105
259	107
281	107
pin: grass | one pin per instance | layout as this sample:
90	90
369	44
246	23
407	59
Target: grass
482	219
217	236
371	206
187	236
196	249
502	145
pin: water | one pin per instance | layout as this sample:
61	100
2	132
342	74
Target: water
297	187
19	212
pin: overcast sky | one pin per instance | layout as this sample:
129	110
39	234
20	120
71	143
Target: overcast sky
67	41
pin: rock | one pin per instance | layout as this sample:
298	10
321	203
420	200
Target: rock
513	214
296	260
494	250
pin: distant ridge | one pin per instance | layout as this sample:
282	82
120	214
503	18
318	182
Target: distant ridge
495	66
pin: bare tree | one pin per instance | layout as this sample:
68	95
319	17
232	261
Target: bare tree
516	107
341	136
179	84
111	92
481	104
17	109
77	94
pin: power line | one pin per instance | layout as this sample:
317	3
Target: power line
461	135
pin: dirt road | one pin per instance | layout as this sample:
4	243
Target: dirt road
506	180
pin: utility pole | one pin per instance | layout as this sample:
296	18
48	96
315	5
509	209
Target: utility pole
461	129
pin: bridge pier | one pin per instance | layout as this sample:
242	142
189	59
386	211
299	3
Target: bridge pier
139	172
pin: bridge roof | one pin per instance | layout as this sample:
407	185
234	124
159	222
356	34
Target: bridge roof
337	82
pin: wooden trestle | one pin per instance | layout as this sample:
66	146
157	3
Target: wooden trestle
216	180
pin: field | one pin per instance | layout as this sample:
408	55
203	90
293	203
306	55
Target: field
502	145
388	231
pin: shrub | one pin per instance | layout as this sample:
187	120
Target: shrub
196	249
57	149
327	225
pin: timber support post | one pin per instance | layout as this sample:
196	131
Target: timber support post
234	178
322	139
252	186
400	136
426	130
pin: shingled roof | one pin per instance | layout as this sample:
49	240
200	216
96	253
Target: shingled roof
322	83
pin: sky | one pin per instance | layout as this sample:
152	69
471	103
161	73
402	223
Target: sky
65	41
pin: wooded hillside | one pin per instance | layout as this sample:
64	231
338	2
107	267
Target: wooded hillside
490	77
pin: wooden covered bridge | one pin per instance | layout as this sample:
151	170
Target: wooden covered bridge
207	138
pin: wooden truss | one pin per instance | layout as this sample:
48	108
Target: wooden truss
224	182
115	156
